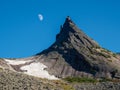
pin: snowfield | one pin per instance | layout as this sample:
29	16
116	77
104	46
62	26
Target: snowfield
16	62
36	69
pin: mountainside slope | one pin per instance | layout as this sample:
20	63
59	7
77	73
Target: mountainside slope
10	80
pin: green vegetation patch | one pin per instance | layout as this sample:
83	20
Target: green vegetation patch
80	80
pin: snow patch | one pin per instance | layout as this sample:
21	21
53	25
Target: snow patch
38	69
16	62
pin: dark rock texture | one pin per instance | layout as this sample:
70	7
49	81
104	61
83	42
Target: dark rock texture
76	54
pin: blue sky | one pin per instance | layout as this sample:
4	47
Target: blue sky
22	34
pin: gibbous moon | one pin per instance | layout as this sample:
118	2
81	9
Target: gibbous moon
40	17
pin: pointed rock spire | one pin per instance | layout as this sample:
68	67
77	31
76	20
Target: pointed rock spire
68	22
68	19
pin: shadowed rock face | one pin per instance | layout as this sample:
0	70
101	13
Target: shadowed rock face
76	54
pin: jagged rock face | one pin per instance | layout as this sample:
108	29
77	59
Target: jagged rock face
75	54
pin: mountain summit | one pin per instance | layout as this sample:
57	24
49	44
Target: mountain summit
76	54
73	54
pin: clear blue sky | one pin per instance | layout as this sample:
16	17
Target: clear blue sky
22	34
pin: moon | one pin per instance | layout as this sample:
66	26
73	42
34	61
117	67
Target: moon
40	17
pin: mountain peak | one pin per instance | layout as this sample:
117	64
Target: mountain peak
66	29
76	54
68	19
71	33
68	22
73	54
